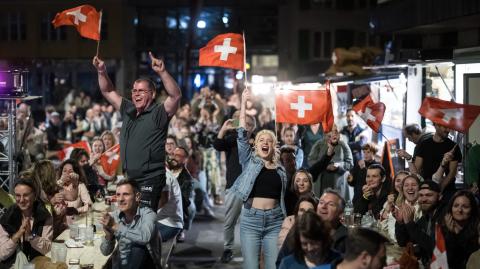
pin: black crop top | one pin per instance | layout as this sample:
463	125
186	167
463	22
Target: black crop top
268	184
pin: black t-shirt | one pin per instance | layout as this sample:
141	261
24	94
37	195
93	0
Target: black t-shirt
229	145
142	141
267	185
432	154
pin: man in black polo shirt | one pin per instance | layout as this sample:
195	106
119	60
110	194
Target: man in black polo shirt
144	128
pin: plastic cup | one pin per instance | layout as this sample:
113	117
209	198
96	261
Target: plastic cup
59	252
73	231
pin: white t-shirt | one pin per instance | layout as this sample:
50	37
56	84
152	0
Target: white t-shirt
171	214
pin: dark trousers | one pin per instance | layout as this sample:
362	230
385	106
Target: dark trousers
150	190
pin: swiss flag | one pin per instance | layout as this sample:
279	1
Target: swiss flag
455	116
305	107
225	50
65	152
371	112
439	257
110	159
85	18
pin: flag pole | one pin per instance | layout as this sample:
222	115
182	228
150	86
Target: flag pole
245	78
99	32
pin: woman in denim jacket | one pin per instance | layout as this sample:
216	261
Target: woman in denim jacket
261	186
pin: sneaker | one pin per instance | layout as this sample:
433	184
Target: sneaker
181	237
227	256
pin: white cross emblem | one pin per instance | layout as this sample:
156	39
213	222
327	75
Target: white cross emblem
225	49
301	106
367	115
79	16
454	113
111	158
440	259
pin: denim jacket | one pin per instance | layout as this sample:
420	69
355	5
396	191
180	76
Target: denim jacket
251	167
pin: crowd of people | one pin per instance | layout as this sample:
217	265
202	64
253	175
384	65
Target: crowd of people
288	186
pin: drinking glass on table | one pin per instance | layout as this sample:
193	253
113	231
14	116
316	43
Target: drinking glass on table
89	236
74	234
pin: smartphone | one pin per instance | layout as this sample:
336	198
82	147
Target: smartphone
236	123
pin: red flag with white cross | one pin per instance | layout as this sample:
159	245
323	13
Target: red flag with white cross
225	50
439	257
110	159
304	107
453	115
65	152
372	113
85	18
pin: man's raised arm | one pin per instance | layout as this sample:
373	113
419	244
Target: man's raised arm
106	86
174	93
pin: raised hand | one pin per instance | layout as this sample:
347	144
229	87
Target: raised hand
403	154
408	213
246	95
227	125
99	64
157	64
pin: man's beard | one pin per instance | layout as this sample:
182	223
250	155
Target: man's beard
172	164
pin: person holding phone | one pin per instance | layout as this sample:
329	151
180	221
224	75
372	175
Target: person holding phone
226	141
334	176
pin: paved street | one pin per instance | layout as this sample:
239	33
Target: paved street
204	244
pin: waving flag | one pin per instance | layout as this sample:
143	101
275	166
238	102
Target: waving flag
387	162
65	152
455	116
439	257
371	112
110	159
304	107
225	50
85	18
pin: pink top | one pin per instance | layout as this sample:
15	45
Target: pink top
82	201
40	243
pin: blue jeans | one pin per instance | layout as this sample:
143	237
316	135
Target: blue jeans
233	206
259	230
167	232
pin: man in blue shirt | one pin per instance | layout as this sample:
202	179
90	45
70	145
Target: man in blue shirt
133	227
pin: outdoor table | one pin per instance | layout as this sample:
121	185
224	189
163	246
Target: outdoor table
87	254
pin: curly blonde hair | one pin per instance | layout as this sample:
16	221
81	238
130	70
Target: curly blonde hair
276	155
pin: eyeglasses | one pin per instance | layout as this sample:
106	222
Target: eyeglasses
140	91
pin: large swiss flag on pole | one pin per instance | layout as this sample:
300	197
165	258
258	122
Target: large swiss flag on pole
225	50
304	107
85	18
455	116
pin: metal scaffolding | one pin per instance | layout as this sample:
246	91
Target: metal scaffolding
8	165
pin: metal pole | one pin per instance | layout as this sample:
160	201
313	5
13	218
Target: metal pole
12	164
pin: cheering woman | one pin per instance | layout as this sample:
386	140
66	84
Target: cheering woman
261	186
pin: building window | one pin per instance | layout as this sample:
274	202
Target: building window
13	26
327	44
48	32
322	3
322	45
303	44
344	38
317	44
